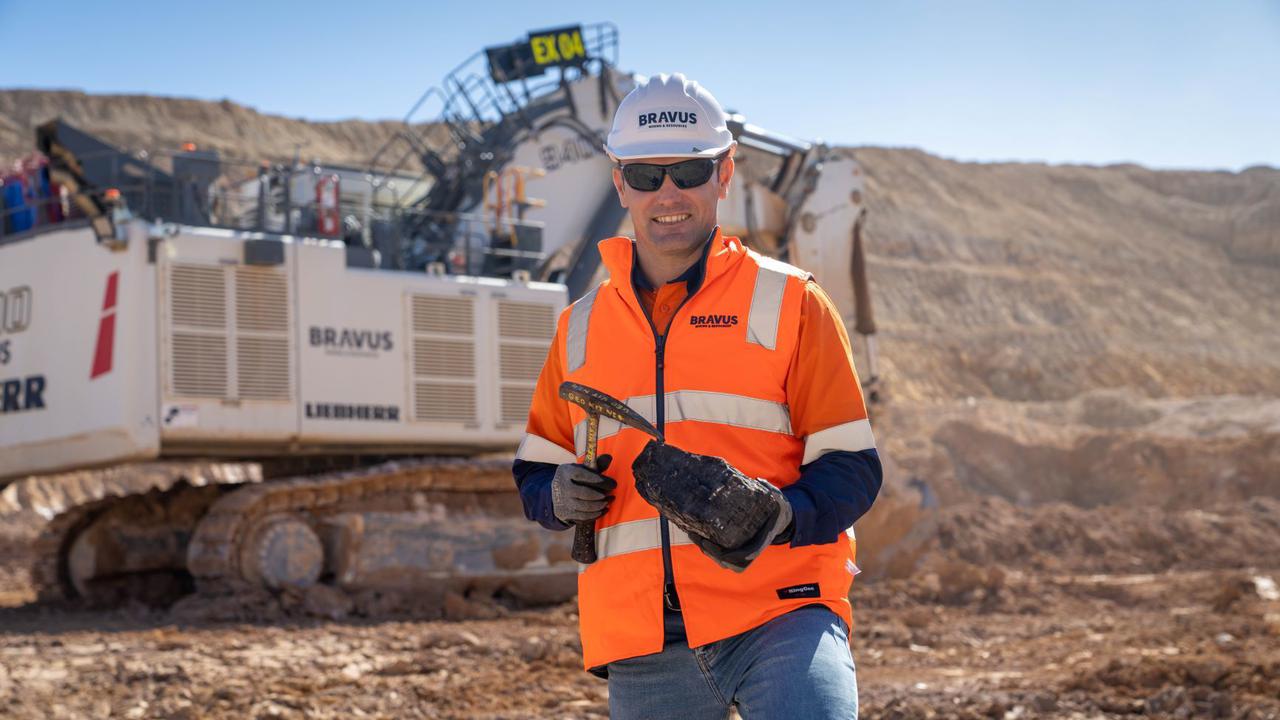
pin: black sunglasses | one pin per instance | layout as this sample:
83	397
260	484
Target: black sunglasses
647	177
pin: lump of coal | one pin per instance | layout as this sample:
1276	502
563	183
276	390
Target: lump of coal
702	494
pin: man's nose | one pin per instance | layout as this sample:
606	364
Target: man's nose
668	187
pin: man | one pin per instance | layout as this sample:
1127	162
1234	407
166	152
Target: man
731	355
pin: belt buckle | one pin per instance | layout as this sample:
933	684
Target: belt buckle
669	597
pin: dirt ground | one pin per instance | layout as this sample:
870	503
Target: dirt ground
1007	639
1103	557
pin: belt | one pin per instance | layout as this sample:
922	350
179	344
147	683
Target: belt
670	600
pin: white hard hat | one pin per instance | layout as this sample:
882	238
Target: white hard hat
668	116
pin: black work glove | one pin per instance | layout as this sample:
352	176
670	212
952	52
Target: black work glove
774	532
579	494
730	516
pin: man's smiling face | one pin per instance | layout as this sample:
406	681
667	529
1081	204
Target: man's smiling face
672	221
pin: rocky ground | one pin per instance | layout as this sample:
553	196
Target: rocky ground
1184	644
1015	613
1102	557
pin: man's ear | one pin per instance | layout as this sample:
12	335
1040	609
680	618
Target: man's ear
726	172
617	185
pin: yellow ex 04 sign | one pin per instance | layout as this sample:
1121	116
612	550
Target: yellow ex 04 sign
543	49
558	47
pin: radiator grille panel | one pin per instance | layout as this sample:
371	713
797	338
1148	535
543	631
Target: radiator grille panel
199	365
516	400
438	401
453	315
447	358
526	320
525	331
263	368
198	296
444	351
232	342
521	362
262	300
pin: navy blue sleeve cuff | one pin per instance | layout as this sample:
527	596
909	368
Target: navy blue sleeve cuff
534	481
833	492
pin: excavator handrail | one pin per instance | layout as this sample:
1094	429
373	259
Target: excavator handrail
105	184
470	101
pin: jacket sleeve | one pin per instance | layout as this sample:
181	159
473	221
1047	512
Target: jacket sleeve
548	440
534	481
840	474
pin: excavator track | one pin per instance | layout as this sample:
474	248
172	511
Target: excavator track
410	525
70	502
154	531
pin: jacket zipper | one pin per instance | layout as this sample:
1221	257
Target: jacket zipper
669	595
660	403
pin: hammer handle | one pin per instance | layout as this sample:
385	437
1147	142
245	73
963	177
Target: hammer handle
584	533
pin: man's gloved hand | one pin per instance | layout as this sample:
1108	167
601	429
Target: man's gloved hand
773	532
730	516
579	494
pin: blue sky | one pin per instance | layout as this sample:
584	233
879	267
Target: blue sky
1167	84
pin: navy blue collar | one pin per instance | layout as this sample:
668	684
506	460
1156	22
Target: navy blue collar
692	278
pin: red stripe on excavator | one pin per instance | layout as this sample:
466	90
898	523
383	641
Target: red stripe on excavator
109	300
106	341
102	353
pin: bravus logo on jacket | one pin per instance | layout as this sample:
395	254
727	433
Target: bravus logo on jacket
713	321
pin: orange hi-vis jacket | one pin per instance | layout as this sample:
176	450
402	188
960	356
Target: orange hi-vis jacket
721	370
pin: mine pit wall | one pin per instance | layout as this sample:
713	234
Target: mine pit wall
1033	282
1104	482
1091	339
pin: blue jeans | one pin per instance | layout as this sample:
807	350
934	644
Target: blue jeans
794	666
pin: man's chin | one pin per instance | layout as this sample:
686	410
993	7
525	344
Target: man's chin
676	239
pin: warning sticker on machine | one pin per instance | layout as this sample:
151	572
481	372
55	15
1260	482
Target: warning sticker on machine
180	416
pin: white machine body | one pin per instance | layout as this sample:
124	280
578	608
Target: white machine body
197	341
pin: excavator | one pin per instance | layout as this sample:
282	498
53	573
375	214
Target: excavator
219	376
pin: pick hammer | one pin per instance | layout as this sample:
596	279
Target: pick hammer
596	404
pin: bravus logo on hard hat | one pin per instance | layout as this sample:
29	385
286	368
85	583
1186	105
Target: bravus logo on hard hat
668	119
